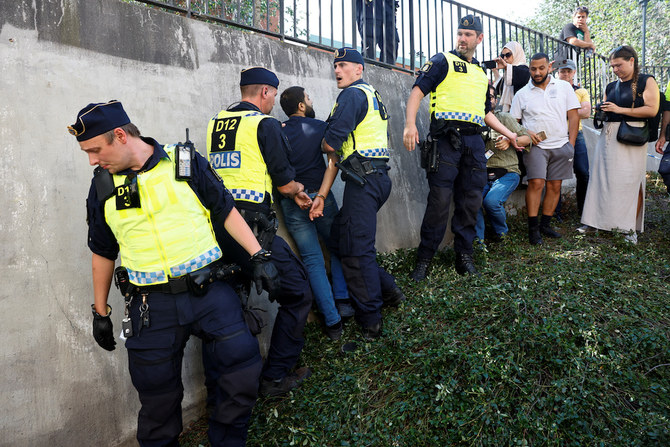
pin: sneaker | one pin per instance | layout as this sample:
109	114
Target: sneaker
586	229
465	264
550	232
334	332
631	237
393	298
344	308
279	387
421	270
372	332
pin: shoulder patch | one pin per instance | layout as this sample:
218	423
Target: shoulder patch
426	67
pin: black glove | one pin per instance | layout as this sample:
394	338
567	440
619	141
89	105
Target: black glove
265	273
103	330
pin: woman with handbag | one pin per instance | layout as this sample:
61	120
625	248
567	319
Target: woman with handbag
615	195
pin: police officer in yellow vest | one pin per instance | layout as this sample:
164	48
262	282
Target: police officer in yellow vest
247	148
166	230
357	134
459	109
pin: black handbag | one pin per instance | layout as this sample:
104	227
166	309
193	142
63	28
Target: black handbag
627	134
634	136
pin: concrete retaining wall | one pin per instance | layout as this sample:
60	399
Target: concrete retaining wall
58	388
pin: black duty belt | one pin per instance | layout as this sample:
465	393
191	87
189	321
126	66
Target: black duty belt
469	130
173	286
195	282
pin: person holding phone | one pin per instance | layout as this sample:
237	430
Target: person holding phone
542	107
516	74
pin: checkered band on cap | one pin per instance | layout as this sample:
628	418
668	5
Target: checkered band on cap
375	153
247	194
196	263
459	116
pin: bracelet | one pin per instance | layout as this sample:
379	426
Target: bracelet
321	195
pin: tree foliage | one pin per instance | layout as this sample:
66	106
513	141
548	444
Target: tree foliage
612	23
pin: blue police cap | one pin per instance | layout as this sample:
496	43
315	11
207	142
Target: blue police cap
471	22
258	75
98	118
347	54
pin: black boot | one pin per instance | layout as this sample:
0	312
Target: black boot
420	270
545	228
465	264
393	298
373	331
534	236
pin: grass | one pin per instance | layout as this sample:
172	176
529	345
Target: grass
564	344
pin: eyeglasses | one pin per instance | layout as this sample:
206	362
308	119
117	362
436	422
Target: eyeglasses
506	55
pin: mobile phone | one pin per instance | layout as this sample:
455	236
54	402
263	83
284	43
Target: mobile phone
541	135
489	64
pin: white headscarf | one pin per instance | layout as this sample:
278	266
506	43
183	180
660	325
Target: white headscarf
518	58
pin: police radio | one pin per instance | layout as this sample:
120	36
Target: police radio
184	154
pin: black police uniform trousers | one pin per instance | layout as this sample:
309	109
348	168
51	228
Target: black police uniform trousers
352	239
155	355
377	25
295	301
461	175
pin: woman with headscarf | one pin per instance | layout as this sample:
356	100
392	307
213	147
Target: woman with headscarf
516	73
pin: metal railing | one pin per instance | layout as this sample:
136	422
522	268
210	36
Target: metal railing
413	29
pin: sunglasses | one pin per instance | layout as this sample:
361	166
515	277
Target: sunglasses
505	55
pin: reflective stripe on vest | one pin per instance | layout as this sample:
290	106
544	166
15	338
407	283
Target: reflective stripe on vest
232	149
369	138
461	95
169	235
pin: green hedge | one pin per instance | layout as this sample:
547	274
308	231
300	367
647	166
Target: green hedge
565	344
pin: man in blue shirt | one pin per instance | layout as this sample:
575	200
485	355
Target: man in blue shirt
304	134
357	133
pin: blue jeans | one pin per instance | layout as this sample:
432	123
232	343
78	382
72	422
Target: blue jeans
496	194
581	168
306	234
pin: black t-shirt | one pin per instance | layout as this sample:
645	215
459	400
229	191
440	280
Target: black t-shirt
625	98
570	30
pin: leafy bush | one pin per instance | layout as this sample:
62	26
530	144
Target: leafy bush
565	344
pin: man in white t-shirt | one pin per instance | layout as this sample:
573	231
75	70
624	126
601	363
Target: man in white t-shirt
542	107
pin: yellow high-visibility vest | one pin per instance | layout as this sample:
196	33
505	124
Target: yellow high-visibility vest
462	93
370	137
169	235
232	149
